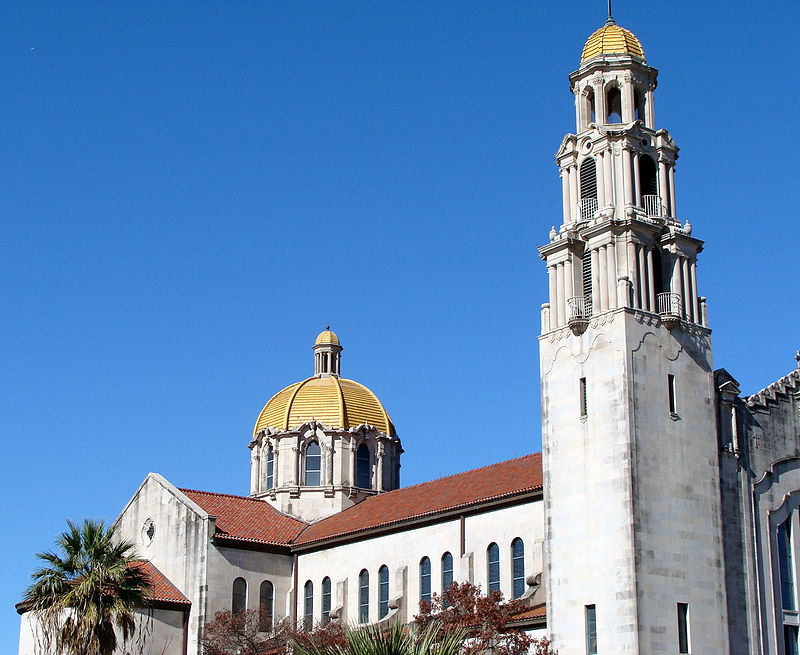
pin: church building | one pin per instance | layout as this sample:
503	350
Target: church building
660	517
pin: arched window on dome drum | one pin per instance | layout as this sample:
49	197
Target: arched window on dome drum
425	580
265	607
239	600
308	605
363	596
326	600
447	574
313	464
383	591
517	568
614	105
493	567
363	468
269	478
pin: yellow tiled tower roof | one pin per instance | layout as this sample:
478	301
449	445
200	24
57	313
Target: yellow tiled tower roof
611	39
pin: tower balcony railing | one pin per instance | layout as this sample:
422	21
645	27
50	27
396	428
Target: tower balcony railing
579	311
587	207
652	206
669	308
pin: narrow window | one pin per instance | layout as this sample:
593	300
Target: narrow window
313	464
270	467
639	105
493	567
671	392
786	564
588	188
683	627
582	398
425	580
517	567
648	186
326	600
383	591
265	606
790	640
614	105
363	596
363	473
447	574
591	630
308	605
239	602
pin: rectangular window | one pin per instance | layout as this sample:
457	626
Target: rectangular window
683	627
786	564
671	391
582	398
591	630
790	639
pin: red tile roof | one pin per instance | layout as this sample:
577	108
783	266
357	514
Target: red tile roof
247	519
494	482
531	613
161	589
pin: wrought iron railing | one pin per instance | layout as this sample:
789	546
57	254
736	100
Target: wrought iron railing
652	206
580	307
587	208
669	304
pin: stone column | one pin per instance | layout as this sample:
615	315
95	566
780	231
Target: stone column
603	257
599	102
687	291
651	118
560	293
626	91
633	272
381	455
569	282
553	314
595	281
275	467
565	194
254	463
545	317
295	481
352	461
651	282
608	161
329	453
663	191
602	200
573	192
672	191
637	192
612	274
675	282
627	186
640	257
695	302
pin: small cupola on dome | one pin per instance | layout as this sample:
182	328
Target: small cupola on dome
327	353
611	39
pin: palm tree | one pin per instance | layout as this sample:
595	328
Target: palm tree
87	593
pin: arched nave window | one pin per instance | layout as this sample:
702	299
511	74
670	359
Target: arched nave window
363	468
363	596
493	567
239	600
383	591
313	464
265	606
425	579
326	600
308	605
447	574
517	567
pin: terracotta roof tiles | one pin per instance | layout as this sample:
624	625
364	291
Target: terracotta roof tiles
161	589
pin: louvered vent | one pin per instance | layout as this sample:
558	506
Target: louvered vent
588	179
586	270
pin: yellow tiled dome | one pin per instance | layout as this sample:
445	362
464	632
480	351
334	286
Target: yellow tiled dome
333	401
611	39
325	337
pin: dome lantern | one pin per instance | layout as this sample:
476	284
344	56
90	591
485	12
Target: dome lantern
327	354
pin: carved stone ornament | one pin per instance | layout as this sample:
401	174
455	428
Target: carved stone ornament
148	532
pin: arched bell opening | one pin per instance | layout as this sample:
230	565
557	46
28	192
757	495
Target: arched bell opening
613	105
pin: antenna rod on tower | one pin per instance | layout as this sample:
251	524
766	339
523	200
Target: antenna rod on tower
609	8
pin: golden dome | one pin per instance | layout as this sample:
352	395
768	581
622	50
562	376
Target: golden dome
336	402
611	39
327	337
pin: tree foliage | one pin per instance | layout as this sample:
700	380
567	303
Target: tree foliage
87	594
485	619
240	634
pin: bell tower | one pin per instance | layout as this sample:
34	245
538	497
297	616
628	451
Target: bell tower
632	512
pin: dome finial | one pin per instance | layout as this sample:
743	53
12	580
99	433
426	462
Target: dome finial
610	19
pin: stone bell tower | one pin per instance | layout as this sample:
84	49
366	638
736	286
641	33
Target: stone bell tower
632	510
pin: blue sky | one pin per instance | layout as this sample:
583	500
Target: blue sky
190	192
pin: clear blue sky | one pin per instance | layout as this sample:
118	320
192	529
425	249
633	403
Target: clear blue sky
190	192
